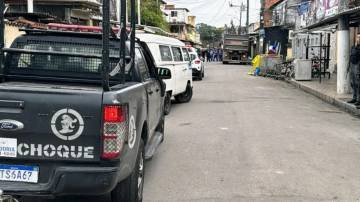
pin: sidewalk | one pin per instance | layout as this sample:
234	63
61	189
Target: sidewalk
326	90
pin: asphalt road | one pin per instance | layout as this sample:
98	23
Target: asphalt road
245	138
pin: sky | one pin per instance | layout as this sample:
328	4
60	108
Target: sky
218	12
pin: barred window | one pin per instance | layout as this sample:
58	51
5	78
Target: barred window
62	63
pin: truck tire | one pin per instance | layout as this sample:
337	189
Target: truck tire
185	96
130	190
167	103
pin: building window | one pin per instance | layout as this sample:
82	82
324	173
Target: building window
174	14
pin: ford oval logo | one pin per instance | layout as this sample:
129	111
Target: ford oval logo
10	125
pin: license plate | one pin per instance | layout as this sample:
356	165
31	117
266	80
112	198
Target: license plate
19	173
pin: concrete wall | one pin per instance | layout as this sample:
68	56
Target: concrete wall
11	33
182	16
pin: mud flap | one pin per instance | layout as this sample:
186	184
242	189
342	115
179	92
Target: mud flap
152	145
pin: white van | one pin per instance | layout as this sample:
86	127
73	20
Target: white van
171	53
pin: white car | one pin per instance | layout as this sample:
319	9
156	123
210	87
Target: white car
197	65
172	54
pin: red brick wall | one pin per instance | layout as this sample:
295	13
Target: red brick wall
269	3
268	12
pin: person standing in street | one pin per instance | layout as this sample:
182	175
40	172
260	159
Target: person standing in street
354	68
208	55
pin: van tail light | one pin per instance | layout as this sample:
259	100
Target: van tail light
197	62
115	131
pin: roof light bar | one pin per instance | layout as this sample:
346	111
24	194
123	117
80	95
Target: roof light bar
78	28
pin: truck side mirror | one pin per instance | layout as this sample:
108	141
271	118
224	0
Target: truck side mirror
164	73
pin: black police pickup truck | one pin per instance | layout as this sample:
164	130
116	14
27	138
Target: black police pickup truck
67	127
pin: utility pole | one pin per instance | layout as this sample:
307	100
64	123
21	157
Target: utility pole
117	3
261	39
30	6
119	8
139	12
157	5
241	10
247	15
241	6
127	13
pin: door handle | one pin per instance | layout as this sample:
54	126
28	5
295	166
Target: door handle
12	104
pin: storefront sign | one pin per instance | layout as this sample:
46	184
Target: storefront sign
332	7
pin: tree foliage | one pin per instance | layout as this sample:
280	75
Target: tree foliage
151	15
209	33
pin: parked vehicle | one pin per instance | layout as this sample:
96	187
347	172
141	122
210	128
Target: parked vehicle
197	65
172	54
78	113
236	49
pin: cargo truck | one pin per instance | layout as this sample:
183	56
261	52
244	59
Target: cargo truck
236	49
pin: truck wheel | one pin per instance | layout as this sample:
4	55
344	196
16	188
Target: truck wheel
131	189
186	96
203	74
167	104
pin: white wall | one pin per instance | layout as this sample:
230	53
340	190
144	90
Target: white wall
182	16
299	48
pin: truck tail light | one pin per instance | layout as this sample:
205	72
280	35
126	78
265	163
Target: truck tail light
115	130
197	62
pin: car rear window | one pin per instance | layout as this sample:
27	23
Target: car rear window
177	54
193	57
165	53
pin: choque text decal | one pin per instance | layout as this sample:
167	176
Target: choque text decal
58	151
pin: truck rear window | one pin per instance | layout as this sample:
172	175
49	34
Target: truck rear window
30	62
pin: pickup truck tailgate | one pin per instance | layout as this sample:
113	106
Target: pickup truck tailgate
50	122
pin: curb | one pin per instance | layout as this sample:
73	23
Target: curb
331	100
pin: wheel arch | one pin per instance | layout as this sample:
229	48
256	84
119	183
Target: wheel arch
145	132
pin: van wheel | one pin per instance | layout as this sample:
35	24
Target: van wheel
131	189
167	104
186	96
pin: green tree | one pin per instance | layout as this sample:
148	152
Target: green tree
151	15
209	33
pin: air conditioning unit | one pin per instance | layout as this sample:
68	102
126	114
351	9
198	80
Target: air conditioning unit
302	70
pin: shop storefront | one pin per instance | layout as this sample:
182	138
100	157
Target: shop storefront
326	31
